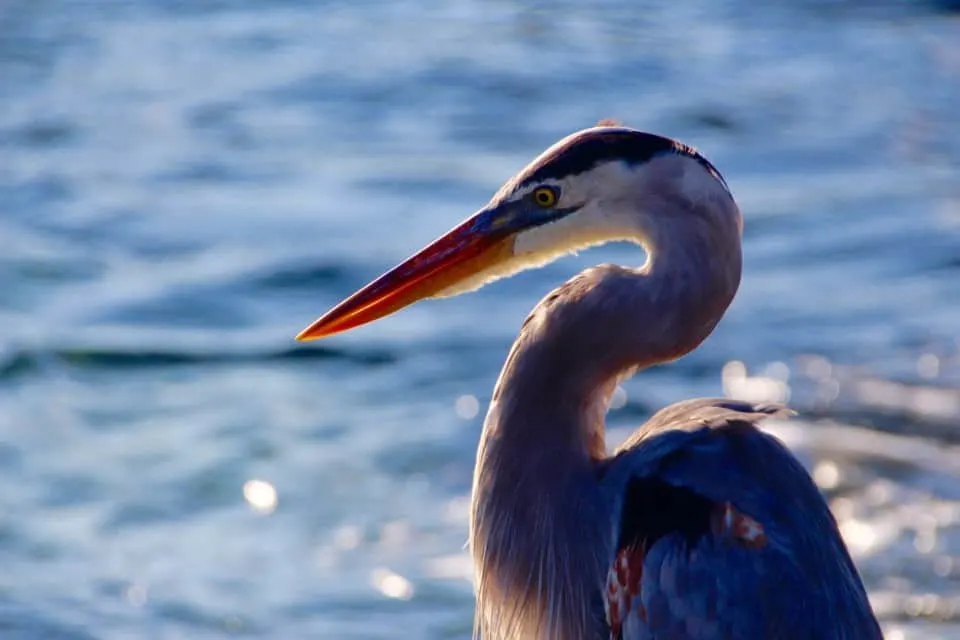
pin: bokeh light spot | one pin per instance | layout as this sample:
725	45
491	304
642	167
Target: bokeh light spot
260	495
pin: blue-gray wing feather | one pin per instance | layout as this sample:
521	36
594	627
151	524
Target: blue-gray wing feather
699	583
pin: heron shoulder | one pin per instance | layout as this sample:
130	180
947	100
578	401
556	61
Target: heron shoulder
700	491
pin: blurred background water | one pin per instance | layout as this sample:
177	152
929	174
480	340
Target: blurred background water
184	185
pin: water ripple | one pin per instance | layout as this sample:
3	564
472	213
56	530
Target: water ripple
26	362
186	185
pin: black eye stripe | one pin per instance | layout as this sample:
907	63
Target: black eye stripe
593	147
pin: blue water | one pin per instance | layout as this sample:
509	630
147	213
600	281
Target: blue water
185	185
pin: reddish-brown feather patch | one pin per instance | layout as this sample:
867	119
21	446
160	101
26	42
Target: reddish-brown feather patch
623	588
727	521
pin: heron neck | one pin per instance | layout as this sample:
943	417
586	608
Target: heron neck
535	496
605	324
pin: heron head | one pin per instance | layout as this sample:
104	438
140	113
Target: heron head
582	191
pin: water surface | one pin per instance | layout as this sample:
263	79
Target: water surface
184	186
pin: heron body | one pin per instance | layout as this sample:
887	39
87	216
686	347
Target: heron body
701	526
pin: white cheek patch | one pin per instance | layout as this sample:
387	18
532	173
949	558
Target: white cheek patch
554	239
596	223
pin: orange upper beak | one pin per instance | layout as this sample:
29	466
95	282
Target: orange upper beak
483	240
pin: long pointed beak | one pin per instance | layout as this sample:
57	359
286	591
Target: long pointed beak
482	240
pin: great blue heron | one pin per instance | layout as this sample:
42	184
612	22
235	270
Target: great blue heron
700	526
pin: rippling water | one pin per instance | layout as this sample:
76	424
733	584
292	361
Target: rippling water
184	185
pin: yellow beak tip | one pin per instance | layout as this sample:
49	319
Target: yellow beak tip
307	336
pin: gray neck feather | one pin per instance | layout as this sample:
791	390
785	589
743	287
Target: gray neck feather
541	532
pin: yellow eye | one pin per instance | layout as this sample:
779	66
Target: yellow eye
545	197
